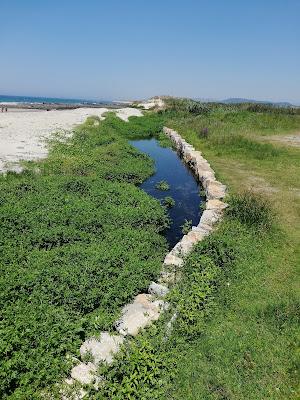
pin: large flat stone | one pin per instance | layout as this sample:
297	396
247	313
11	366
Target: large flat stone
208	219
173	259
215	190
158	290
102	349
186	245
195	235
215	204
139	314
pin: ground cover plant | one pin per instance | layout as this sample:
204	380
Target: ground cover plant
78	239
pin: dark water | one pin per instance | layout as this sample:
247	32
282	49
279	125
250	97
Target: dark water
184	188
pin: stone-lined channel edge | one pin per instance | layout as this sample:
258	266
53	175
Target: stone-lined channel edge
147	307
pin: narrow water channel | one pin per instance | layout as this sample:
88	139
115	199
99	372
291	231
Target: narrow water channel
184	188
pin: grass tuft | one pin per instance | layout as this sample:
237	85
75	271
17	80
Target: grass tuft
251	209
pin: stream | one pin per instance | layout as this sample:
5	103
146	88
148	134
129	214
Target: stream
184	188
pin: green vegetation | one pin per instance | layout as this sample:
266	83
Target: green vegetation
186	227
237	303
162	185
169	202
232	339
248	348
78	241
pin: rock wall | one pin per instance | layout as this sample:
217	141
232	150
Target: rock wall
147	307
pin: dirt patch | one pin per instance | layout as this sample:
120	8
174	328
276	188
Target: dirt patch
288	140
259	184
239	172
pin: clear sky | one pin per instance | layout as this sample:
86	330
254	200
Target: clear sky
118	49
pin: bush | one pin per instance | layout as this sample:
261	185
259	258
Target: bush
187	106
186	226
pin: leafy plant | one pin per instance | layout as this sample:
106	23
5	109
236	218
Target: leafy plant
162	185
169	202
186	226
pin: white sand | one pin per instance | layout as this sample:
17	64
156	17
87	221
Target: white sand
151	103
23	134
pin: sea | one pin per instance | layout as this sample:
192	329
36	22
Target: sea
54	100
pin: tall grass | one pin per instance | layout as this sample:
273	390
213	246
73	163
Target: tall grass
251	209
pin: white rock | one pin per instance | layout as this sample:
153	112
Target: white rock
158	290
215	205
201	228
139	314
195	236
84	373
215	190
102	349
173	259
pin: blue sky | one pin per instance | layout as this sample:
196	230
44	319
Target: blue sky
135	49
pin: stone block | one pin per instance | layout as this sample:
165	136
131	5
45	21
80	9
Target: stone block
139	314
84	373
157	289
102	349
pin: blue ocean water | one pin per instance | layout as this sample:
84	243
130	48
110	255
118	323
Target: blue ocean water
30	99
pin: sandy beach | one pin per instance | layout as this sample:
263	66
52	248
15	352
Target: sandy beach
23	132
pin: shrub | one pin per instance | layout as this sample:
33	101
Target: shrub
140	371
187	106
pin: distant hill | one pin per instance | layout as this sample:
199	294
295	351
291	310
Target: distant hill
235	100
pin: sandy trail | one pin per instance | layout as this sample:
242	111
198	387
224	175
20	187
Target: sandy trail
23	133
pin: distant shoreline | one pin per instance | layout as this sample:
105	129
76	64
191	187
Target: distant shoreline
51	103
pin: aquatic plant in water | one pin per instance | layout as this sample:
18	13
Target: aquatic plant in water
162	185
169	202
186	226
